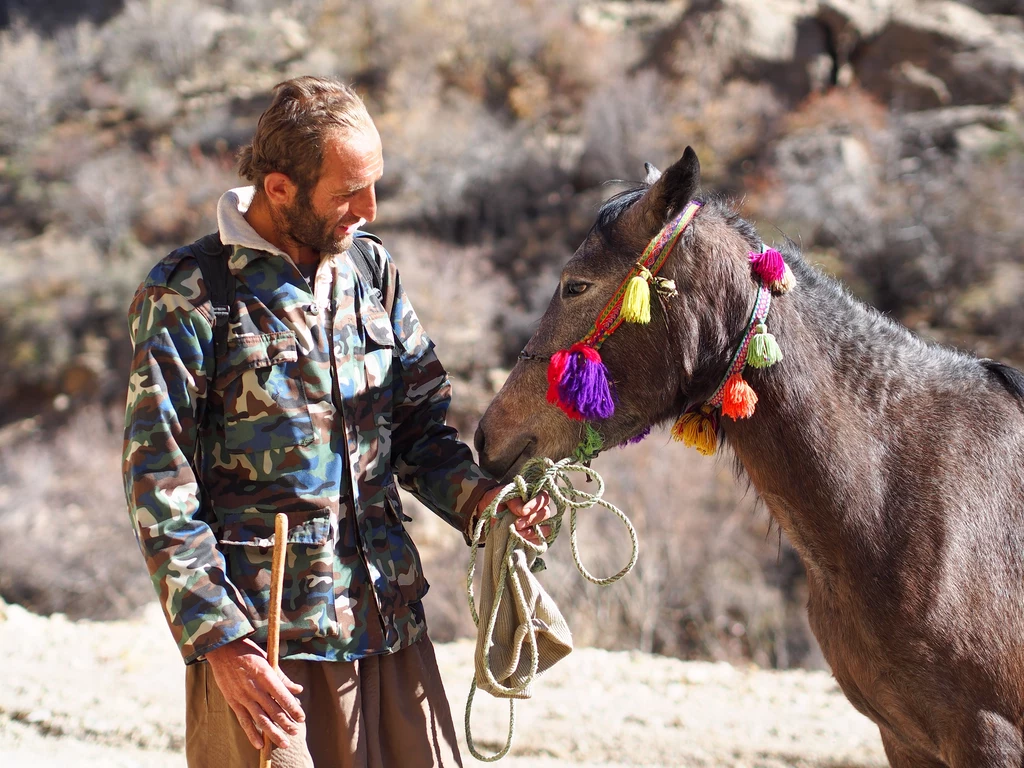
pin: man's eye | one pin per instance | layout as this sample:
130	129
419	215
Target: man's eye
575	289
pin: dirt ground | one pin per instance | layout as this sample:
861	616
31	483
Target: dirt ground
109	694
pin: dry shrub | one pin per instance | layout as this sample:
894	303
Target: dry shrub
458	297
180	200
30	86
433	168
105	197
850	109
60	316
919	227
626	123
66	542
166	38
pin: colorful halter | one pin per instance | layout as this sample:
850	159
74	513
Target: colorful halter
734	396
578	380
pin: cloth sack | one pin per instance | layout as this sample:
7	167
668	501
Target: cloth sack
523	606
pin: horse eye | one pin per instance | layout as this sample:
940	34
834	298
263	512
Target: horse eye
575	288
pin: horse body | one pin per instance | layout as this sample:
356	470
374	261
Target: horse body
902	488
895	467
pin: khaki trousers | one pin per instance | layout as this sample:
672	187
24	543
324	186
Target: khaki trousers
379	712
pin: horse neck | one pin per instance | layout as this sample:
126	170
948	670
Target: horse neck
815	446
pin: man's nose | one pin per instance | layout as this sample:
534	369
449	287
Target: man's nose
365	205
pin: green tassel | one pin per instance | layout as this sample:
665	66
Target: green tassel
636	305
590	446
764	349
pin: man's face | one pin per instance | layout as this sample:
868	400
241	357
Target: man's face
344	198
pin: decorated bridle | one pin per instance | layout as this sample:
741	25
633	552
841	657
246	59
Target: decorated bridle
578	381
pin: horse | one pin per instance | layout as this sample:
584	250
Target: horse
895	466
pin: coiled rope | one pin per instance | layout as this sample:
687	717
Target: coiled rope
538	474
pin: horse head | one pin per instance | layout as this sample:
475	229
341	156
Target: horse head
657	370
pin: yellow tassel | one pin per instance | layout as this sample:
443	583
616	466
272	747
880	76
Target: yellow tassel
636	305
696	430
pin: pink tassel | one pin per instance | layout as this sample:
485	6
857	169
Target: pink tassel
556	367
769	266
556	371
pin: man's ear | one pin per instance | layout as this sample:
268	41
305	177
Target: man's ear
279	189
673	189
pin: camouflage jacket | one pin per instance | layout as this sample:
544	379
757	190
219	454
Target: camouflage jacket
322	402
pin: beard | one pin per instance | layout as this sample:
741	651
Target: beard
300	223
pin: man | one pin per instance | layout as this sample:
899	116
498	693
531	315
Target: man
319	402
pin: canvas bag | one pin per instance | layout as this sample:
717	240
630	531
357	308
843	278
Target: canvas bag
524	607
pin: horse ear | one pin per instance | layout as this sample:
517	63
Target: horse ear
653	174
675	188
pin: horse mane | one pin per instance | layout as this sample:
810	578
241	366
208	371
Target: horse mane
831	293
1008	376
612	208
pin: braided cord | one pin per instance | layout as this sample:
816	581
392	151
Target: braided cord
652	260
757	315
538	474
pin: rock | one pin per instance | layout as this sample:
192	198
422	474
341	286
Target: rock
933	53
38	716
909	54
965	129
833	178
997	7
775	41
920	87
857	19
616	15
978	139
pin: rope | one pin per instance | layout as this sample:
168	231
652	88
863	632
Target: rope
538	474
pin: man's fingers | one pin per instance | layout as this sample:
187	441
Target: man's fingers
248	727
536	510
275	689
514	505
269	728
537	504
275	712
292	686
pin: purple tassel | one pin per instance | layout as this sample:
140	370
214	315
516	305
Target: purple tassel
638	438
585	386
769	266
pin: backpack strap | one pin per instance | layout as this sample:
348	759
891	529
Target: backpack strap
212	257
372	270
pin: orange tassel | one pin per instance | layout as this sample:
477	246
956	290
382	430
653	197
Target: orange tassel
740	398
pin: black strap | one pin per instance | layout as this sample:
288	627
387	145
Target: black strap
212	257
371	270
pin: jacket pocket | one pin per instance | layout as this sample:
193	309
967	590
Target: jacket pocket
379	350
265	405
307	596
410	583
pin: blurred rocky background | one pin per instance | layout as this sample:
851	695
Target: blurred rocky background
884	136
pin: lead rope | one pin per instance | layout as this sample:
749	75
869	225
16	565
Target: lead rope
538	474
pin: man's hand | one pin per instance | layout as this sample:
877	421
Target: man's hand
530	513
260	697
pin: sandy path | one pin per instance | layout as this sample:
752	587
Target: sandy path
109	694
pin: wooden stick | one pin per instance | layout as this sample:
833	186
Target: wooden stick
274	624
